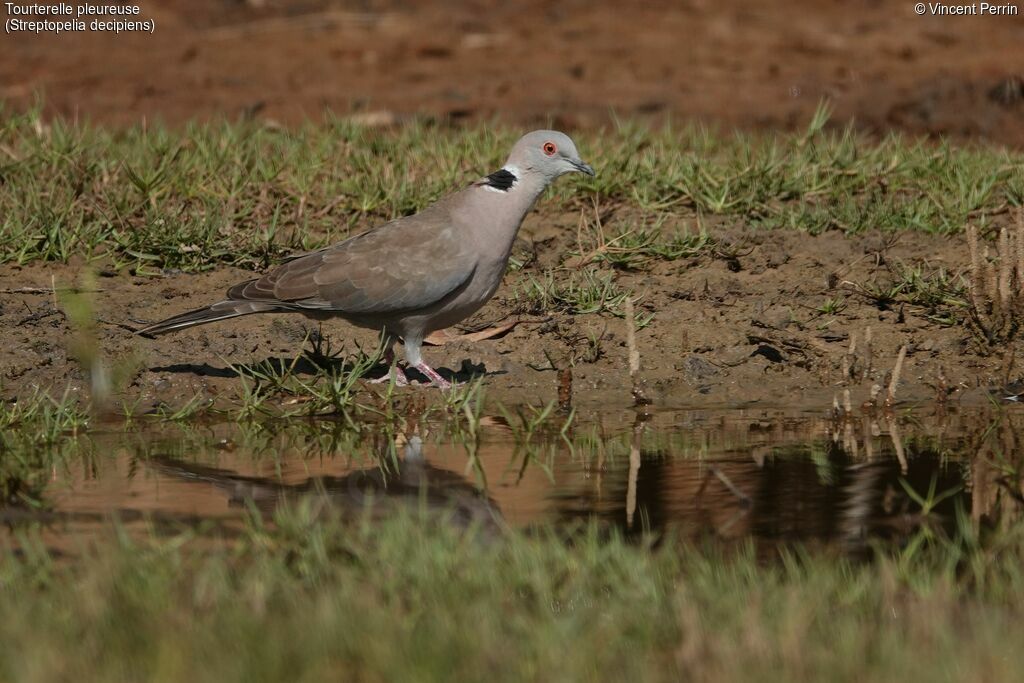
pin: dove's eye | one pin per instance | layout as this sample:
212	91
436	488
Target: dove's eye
549	148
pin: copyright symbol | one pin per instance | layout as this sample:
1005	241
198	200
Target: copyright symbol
920	8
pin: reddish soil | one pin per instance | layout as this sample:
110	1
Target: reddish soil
571	63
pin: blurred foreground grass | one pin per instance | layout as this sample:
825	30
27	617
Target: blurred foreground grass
317	591
410	598
245	194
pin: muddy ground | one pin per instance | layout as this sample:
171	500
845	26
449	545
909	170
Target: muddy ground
746	327
572	63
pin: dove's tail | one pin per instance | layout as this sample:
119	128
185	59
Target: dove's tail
210	314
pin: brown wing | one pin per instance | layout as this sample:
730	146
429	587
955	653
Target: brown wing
407	264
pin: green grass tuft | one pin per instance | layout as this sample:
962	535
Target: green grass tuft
245	195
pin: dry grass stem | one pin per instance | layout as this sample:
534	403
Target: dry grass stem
976	283
997	303
1020	245
849	363
890	398
850	440
634	473
1005	266
991	280
634	352
639	395
867	353
869	445
727	483
897	444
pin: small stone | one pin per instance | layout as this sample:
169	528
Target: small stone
736	355
776	318
696	368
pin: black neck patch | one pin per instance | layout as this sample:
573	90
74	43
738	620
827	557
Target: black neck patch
502	180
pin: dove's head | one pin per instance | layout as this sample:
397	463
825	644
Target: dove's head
546	153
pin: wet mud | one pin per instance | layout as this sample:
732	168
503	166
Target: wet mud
772	322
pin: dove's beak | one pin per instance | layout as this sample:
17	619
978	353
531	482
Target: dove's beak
584	168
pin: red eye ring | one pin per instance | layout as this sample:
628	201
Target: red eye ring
549	148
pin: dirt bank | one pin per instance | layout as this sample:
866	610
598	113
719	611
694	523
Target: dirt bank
762	317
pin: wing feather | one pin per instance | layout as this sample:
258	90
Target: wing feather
407	264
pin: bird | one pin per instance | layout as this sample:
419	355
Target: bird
386	486
413	275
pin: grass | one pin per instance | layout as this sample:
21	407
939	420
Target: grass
632	246
237	193
938	293
576	292
832	306
43	417
34	433
413	598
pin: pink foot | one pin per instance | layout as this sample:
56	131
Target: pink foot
400	379
435	379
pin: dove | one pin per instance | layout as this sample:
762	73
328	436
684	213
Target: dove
413	275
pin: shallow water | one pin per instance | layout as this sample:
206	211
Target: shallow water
772	476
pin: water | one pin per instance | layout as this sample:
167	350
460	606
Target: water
771	476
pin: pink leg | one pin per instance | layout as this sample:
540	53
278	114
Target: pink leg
436	379
393	369
400	379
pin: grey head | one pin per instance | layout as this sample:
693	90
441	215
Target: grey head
546	153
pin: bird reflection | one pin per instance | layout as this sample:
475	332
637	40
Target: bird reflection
411	482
